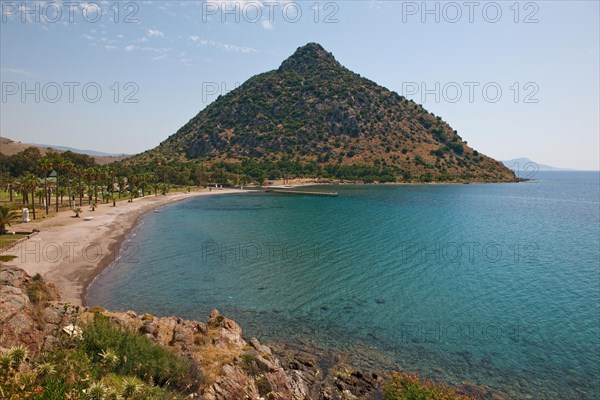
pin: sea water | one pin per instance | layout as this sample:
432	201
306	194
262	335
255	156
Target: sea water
495	284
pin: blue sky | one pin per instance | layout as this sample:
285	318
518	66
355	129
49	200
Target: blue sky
162	64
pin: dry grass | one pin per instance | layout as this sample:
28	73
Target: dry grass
212	359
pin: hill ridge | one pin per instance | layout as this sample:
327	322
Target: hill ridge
318	113
9	147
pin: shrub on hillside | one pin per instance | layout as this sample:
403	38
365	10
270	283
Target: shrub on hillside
38	291
136	355
412	387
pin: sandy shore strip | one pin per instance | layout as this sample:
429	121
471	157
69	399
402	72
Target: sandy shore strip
70	252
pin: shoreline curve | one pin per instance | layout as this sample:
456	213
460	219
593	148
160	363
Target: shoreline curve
71	252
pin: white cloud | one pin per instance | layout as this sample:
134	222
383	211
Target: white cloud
237	49
268	25
18	71
238	4
159	50
225	46
378	4
110	47
155	33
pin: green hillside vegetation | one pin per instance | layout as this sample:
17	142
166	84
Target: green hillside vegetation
314	118
310	118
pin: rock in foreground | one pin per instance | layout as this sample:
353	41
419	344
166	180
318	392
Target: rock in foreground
223	364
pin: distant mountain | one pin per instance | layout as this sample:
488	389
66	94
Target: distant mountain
9	147
312	110
79	151
521	164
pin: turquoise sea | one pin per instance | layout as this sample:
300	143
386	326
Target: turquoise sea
497	284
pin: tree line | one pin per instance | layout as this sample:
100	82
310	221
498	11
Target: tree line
63	179
60	179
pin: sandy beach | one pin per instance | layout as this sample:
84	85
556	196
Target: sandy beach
70	252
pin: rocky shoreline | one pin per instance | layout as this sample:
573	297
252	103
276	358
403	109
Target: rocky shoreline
231	367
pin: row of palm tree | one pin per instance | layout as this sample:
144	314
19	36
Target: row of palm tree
27	185
76	182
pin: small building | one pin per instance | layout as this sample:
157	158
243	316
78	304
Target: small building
52	177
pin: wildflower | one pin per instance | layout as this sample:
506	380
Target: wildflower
96	391
109	358
18	355
130	388
45	369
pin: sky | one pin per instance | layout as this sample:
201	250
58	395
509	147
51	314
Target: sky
515	79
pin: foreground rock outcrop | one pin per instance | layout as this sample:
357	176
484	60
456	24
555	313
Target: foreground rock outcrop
231	368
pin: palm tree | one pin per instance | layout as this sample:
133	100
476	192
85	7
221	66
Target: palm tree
69	168
20	188
10	183
112	174
46	166
6	217
58	163
30	183
97	174
63	192
39	193
122	183
133	181
89	177
143	182
3	182
80	172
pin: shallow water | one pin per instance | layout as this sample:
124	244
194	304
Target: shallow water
494	284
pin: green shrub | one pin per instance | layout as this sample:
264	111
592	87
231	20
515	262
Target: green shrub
457	148
137	355
412	387
38	291
72	366
54	389
7	258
